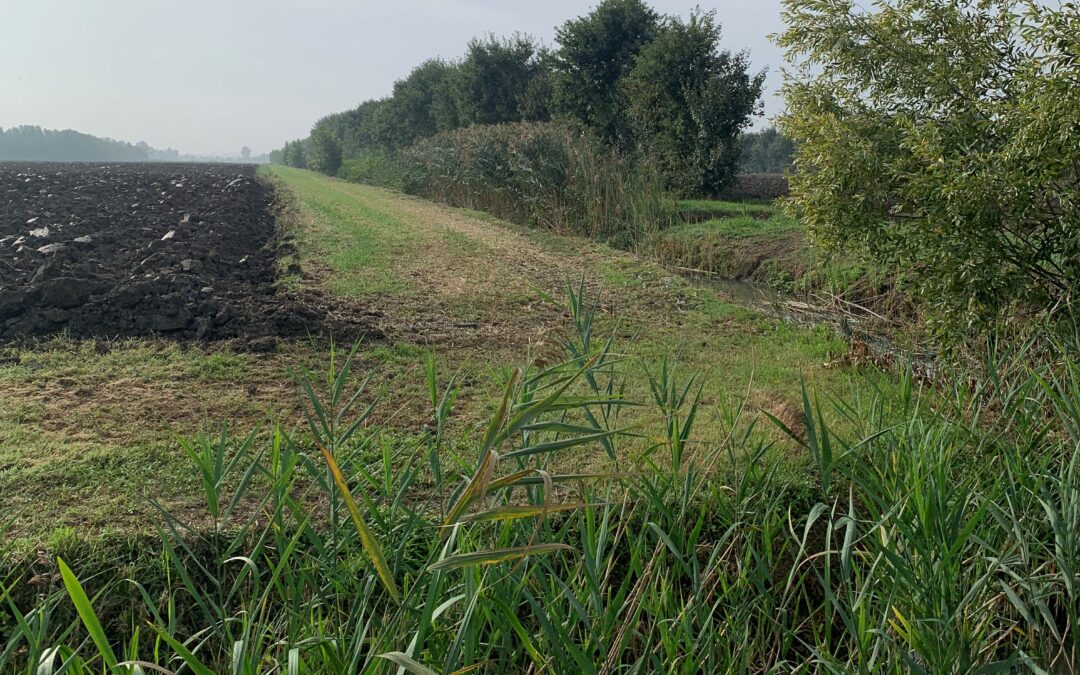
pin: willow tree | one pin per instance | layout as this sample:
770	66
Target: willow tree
943	138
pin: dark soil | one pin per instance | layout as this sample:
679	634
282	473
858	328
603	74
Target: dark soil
117	250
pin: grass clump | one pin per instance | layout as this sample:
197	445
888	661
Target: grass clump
939	534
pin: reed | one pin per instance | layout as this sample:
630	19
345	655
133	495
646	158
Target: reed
542	175
940	534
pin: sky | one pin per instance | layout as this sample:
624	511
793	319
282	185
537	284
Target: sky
210	76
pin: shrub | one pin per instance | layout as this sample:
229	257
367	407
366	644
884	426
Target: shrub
941	138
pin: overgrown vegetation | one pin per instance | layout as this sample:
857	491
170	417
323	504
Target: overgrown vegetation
655	89
940	138
734	241
895	554
537	174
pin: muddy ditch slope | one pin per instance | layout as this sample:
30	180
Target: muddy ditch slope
115	250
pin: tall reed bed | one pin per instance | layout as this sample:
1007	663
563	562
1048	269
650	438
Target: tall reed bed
541	175
940	534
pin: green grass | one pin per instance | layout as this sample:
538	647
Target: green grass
356	240
734	241
936	534
758	242
737	227
697	209
480	294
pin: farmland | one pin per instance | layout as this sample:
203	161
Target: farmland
548	357
602	391
102	401
117	251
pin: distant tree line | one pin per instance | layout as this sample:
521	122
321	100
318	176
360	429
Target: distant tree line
31	143
766	151
34	144
660	88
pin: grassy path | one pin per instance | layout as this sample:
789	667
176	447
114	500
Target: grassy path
88	430
463	281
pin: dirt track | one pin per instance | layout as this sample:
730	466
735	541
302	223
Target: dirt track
181	250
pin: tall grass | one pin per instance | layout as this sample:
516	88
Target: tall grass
375	168
939	534
542	175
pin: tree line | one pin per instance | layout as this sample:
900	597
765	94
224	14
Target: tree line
32	143
657	87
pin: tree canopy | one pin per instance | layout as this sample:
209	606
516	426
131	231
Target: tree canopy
765	151
942	138
595	52
688	101
657	88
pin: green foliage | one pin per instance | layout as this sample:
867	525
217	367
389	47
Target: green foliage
682	102
687	102
323	152
941	137
427	100
939	534
765	151
543	175
374	168
495	78
595	52
292	154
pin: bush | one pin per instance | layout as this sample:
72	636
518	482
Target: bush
542	175
941	138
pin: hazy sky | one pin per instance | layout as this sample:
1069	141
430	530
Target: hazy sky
208	76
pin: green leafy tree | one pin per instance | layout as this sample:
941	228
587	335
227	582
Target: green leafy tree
426	101
295	154
495	76
372	125
37	144
595	52
688	101
942	137
323	152
765	151
535	103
